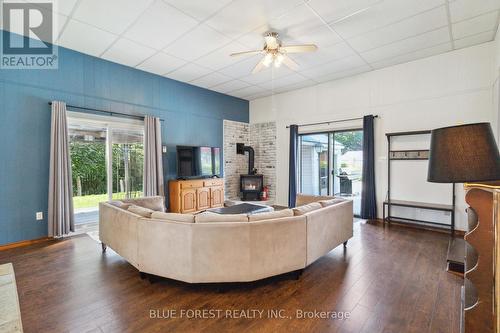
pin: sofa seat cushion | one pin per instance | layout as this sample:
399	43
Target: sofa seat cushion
214	217
302	210
154	203
142	211
187	218
270	215
326	203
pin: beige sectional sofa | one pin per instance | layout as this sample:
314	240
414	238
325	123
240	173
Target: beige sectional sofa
209	247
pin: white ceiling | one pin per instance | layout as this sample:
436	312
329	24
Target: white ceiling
190	40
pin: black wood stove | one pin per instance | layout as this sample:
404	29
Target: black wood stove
252	184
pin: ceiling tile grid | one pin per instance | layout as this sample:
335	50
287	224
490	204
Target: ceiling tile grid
191	41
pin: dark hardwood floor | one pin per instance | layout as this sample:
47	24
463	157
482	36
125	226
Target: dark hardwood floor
389	279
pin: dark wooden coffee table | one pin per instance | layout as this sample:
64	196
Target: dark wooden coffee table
244	208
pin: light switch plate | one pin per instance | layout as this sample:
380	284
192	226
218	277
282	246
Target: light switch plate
39	216
164	149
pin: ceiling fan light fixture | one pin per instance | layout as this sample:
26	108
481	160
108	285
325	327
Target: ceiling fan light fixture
268	59
278	60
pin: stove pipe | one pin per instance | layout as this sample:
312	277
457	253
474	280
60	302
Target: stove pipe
241	149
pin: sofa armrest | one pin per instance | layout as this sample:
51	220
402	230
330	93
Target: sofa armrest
118	230
327	228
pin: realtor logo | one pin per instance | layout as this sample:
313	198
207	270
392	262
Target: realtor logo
28	36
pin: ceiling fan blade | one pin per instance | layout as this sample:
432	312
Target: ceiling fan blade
299	48
259	66
245	53
290	63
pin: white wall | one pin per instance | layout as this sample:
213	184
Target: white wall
442	90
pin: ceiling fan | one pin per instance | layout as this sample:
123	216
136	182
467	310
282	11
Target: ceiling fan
275	53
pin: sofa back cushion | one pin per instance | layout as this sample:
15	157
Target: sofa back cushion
187	218
304	199
326	203
156	203
119	204
214	217
142	211
302	210
270	215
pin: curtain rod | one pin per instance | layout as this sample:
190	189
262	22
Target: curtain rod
110	113
332	121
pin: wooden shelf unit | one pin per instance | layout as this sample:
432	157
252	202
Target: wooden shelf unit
412	155
481	289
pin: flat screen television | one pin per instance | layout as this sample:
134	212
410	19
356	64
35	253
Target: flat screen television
198	162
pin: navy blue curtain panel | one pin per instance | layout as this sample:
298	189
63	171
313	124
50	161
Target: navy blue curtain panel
292	168
368	196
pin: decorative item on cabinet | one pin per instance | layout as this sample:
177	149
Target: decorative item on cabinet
189	196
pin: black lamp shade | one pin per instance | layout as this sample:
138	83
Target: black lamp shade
466	153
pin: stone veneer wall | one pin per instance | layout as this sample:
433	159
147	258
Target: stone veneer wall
262	137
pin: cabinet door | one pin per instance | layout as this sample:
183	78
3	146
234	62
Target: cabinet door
217	196
203	198
188	201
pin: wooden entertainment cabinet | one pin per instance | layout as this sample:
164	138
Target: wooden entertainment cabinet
189	196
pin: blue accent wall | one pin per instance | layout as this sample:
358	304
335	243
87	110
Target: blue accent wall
193	116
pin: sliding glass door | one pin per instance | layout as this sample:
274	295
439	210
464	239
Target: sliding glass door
331	164
107	156
127	147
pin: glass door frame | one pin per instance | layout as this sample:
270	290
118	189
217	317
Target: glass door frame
110	123
331	157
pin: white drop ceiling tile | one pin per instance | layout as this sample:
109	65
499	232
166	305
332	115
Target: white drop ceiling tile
247	91
267	75
336	10
197	42
242	68
299	85
322	55
161	63
254	40
188	73
98	13
200	10
221	57
413	26
342	74
259	95
85	38
464	9
423	53
474	39
211	80
340	65
321	36
230	86
128	53
293	78
295	21
422	41
242	16
382	14
160	25
475	25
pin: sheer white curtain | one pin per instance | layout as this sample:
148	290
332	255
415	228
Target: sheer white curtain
153	164
60	211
